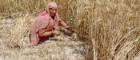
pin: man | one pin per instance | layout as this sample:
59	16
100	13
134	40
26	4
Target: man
46	24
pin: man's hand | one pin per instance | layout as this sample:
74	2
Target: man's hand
56	33
70	29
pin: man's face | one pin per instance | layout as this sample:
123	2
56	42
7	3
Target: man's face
52	11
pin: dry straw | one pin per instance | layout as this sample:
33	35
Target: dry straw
111	28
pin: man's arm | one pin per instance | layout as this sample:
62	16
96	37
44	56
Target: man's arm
44	33
62	23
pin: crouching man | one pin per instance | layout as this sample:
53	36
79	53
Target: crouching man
46	24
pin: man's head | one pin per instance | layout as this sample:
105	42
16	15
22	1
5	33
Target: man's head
52	7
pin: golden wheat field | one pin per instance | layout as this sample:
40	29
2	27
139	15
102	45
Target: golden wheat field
105	30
